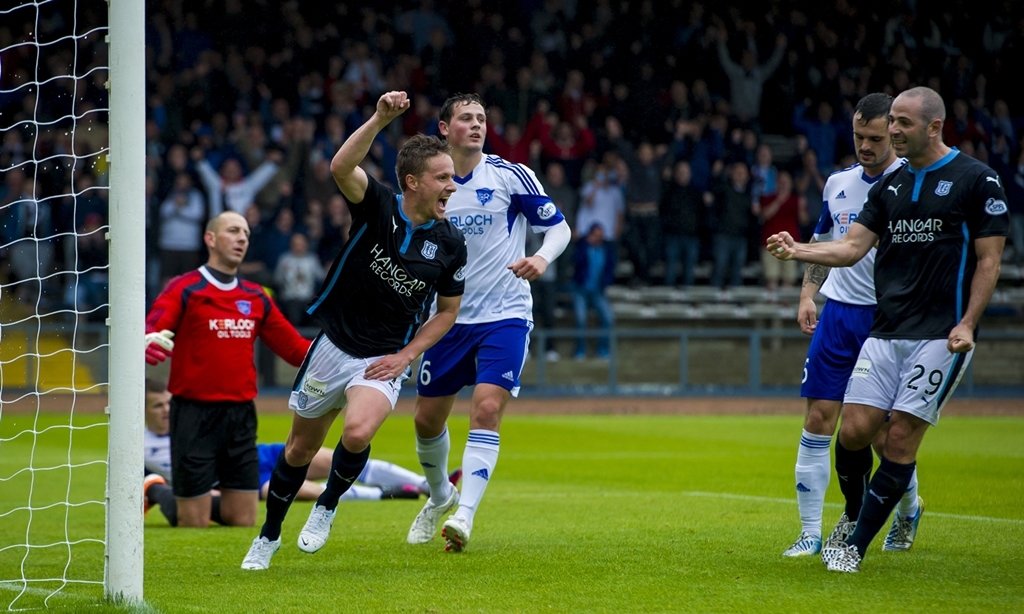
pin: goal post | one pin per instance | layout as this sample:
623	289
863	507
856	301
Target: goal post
123	577
123	574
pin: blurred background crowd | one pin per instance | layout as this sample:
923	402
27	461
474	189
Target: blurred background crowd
675	135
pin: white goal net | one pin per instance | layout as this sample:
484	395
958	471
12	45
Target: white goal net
56	216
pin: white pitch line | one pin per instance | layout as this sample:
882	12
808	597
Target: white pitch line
726	495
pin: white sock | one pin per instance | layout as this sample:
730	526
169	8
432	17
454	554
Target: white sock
478	463
433	455
361	493
908	504
385	474
813	471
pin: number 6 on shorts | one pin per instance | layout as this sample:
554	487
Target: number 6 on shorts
424	373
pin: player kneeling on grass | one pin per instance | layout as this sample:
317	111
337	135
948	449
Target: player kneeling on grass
379	480
402	251
214	319
940	223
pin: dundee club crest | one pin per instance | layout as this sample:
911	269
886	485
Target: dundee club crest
244	307
429	250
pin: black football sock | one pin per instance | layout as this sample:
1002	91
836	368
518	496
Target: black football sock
854	469
885	490
285	483
345	468
215	509
162	495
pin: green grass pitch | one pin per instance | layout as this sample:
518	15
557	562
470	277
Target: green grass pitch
586	514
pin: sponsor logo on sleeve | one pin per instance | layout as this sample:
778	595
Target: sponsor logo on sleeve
546	212
994	206
994	180
862	368
460	275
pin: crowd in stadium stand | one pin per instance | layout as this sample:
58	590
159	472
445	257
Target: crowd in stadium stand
684	131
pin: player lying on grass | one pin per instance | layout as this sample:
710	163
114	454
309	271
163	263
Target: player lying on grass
380	480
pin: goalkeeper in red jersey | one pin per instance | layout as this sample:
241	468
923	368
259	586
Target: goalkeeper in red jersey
214	319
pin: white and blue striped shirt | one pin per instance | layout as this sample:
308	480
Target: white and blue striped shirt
493	206
844	196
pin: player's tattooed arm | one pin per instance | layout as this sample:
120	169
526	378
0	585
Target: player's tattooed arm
815	275
807	312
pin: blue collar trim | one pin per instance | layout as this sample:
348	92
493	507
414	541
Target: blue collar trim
870	180
946	159
408	224
409	228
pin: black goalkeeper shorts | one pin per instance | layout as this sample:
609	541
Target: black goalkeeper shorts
213	444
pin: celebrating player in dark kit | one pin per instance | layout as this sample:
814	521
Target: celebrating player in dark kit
845	323
215	319
402	250
940	223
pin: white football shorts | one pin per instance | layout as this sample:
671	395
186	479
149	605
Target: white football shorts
328	373
913	376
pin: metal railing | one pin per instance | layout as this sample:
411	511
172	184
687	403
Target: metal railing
93	356
683	386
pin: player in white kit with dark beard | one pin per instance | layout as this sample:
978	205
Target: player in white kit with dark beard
844	325
939	224
495	202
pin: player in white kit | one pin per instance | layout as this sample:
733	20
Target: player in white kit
845	323
939	224
495	202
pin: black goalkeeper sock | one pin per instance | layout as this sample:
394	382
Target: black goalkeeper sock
345	468
285	483
163	495
854	469
884	492
215	509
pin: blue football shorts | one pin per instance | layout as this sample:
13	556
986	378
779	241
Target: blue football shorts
835	345
490	353
268	453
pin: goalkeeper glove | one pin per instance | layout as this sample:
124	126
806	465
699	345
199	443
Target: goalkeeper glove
159	346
